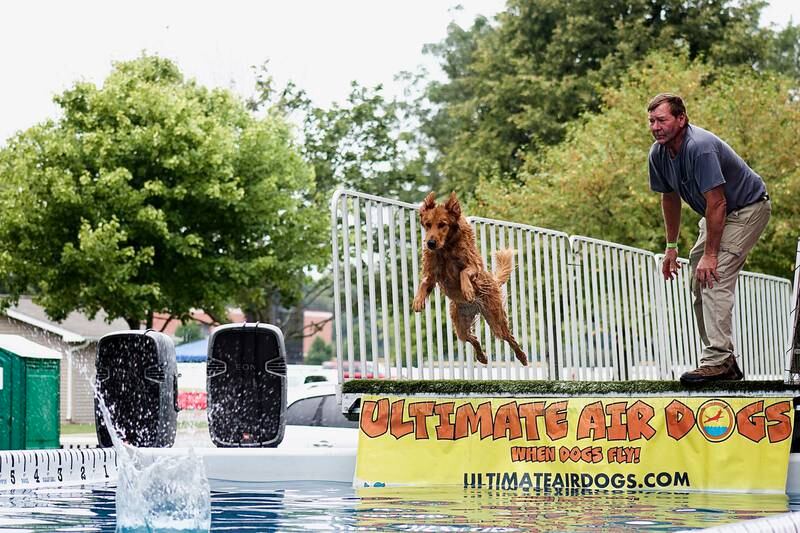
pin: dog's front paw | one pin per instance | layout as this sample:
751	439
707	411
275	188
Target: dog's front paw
469	292
419	304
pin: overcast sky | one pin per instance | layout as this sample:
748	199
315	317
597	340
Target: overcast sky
322	45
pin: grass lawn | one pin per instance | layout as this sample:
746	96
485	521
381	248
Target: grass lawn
72	429
193	424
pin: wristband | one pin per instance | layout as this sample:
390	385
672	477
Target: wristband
672	246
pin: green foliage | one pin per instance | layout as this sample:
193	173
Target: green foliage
360	146
189	332
513	88
784	52
363	144
153	193
319	352
596	184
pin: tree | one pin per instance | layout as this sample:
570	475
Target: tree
514	87
364	144
596	184
319	352
189	332
153	193
784	52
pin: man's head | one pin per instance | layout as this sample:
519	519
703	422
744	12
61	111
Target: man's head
667	115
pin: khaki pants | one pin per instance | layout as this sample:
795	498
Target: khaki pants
713	308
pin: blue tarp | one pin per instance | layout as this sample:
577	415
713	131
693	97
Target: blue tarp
192	352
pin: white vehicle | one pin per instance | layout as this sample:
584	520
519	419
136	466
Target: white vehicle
313	416
192	376
297	375
314	419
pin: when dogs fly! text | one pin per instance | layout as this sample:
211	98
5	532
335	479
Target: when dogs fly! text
575	454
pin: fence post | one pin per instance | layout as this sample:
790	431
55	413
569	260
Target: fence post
337	304
794	341
664	359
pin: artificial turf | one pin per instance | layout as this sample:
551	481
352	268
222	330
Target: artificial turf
566	388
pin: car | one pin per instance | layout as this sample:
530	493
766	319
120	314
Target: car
314	418
358	372
192	381
297	375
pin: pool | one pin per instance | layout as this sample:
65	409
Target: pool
331	506
311	489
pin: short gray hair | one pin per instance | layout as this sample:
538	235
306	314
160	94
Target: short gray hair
676	105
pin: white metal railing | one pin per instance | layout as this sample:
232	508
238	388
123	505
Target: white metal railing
617	312
678	338
761	324
581	308
536	294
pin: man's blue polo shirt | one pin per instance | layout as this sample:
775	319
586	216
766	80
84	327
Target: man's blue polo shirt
704	162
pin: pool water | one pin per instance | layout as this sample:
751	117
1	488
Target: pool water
339	507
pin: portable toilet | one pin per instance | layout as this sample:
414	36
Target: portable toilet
29	394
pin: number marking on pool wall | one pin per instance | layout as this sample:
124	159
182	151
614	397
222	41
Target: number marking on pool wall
22	469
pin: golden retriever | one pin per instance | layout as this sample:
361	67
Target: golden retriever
451	259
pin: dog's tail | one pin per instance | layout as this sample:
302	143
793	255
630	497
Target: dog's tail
503	264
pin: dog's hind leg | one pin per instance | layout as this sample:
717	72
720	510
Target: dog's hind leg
463	319
498	323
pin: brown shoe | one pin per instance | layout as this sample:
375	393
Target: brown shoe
726	370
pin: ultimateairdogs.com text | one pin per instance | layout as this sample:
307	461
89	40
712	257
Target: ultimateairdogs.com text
559	481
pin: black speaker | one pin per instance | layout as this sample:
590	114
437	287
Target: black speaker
137	376
246	385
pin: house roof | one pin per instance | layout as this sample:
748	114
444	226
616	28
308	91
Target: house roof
77	327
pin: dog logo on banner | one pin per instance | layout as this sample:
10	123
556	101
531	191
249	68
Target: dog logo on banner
716	420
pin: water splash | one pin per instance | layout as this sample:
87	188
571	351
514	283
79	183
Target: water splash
156	492
162	493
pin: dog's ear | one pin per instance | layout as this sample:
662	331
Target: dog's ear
453	206
428	203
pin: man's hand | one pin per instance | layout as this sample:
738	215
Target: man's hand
706	271
670	265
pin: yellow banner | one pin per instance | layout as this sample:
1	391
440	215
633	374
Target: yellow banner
681	443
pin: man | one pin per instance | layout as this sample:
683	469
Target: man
687	162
